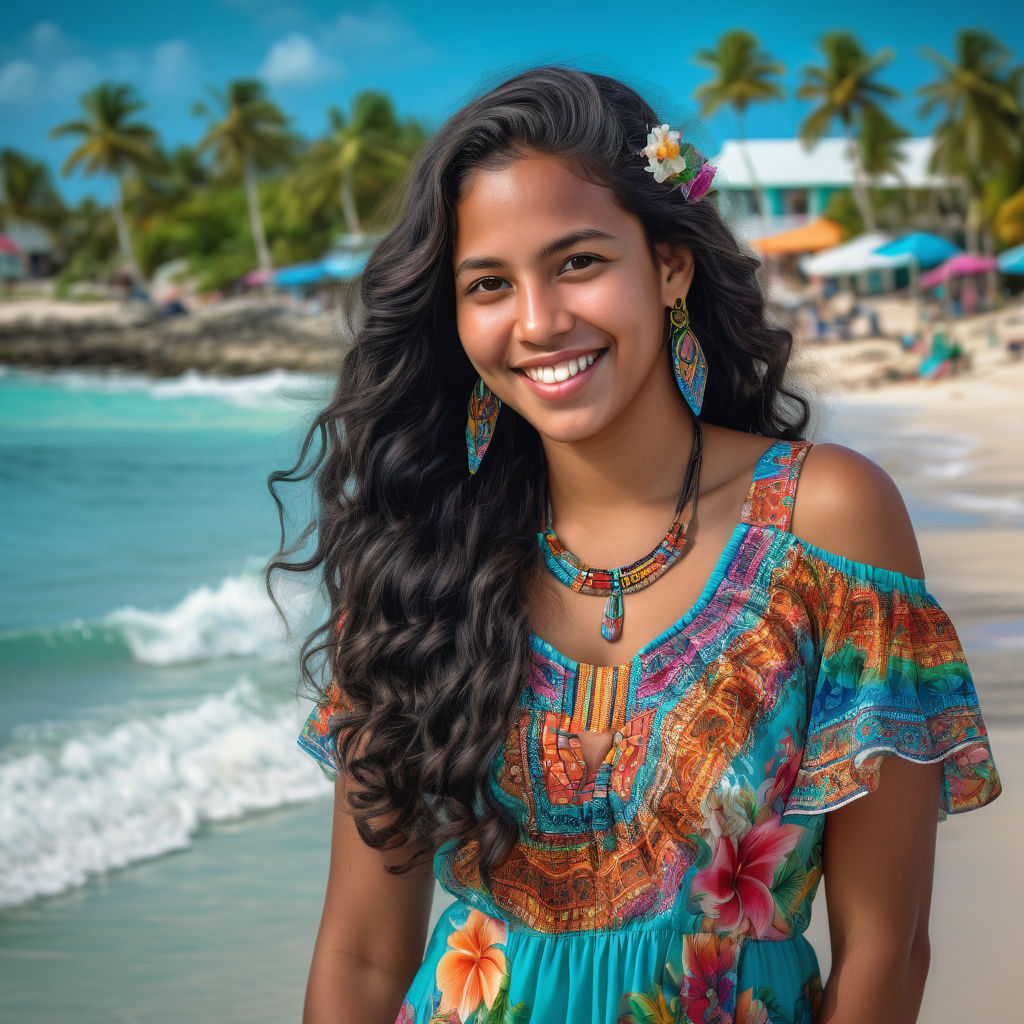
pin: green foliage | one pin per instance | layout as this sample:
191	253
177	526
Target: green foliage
110	143
27	192
88	234
844	86
356	164
790	878
501	1011
842	208
744	74
245	124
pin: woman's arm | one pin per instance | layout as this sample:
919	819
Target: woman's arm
878	859
879	850
372	931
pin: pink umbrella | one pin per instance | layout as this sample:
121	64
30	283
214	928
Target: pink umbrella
6	245
960	265
255	278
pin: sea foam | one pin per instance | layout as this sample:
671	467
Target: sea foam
102	800
235	618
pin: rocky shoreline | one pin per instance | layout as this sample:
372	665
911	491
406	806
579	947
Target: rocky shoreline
224	341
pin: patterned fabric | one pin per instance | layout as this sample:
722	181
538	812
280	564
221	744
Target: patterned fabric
675	882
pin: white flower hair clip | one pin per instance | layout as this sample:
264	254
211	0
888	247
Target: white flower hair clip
679	163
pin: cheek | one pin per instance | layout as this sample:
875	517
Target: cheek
483	331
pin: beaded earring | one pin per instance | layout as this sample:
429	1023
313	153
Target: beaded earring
484	406
688	360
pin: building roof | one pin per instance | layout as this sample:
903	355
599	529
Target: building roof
784	163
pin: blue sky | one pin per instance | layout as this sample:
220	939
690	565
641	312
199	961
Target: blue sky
432	56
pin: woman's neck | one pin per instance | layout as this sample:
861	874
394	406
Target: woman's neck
638	462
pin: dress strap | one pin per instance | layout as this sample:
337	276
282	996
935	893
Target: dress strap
773	487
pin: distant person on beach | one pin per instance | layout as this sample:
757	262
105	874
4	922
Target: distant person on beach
615	653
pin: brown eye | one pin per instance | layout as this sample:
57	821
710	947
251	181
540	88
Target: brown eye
489	284
582	261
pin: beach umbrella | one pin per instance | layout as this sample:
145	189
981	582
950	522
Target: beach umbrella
819	234
924	249
300	274
961	265
857	256
1012	261
342	265
257	278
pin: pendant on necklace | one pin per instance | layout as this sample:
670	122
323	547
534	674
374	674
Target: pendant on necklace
611	621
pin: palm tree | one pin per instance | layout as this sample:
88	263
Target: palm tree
979	136
743	74
250	135
366	143
111	144
844	88
878	139
27	193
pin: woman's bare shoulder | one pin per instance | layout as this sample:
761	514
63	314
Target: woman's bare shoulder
848	504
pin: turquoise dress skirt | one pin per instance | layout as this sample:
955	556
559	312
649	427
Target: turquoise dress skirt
674	883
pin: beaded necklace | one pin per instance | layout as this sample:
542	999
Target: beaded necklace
585	579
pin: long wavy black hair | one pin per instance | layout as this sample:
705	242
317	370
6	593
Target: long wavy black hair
430	565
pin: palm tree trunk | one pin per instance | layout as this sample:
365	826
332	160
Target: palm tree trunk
860	193
762	199
124	240
252	197
348	203
972	221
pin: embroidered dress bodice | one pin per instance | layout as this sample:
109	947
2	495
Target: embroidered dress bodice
675	881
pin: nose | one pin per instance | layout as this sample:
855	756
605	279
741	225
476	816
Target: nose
542	314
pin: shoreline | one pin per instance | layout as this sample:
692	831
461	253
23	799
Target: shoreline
235	338
248	335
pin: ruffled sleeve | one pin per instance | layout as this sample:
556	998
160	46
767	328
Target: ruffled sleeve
892	679
315	737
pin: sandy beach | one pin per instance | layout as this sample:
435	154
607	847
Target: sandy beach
954	445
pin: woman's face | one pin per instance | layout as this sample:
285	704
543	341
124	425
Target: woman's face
559	302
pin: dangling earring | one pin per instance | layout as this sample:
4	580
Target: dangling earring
484	406
687	358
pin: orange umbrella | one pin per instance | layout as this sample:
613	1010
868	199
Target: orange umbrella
820	234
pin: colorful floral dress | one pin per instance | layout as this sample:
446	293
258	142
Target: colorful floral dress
675	882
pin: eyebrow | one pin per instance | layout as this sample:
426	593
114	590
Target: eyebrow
565	242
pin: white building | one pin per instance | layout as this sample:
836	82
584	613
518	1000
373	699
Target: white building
798	183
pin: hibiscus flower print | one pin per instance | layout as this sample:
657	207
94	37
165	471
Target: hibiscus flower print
708	987
470	973
734	890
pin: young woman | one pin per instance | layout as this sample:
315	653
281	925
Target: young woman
596	662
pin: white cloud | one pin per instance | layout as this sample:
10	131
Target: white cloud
72	77
19	82
46	37
294	60
378	27
172	70
382	35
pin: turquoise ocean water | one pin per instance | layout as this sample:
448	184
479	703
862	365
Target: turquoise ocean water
155	812
163	842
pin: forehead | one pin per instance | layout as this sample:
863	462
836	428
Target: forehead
528	201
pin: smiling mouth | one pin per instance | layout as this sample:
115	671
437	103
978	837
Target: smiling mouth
555	373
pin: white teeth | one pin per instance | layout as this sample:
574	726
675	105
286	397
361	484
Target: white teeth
563	371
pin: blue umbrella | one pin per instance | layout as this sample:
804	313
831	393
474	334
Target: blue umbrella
1012	261
299	274
345	264
926	250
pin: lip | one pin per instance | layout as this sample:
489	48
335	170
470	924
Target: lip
562	389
